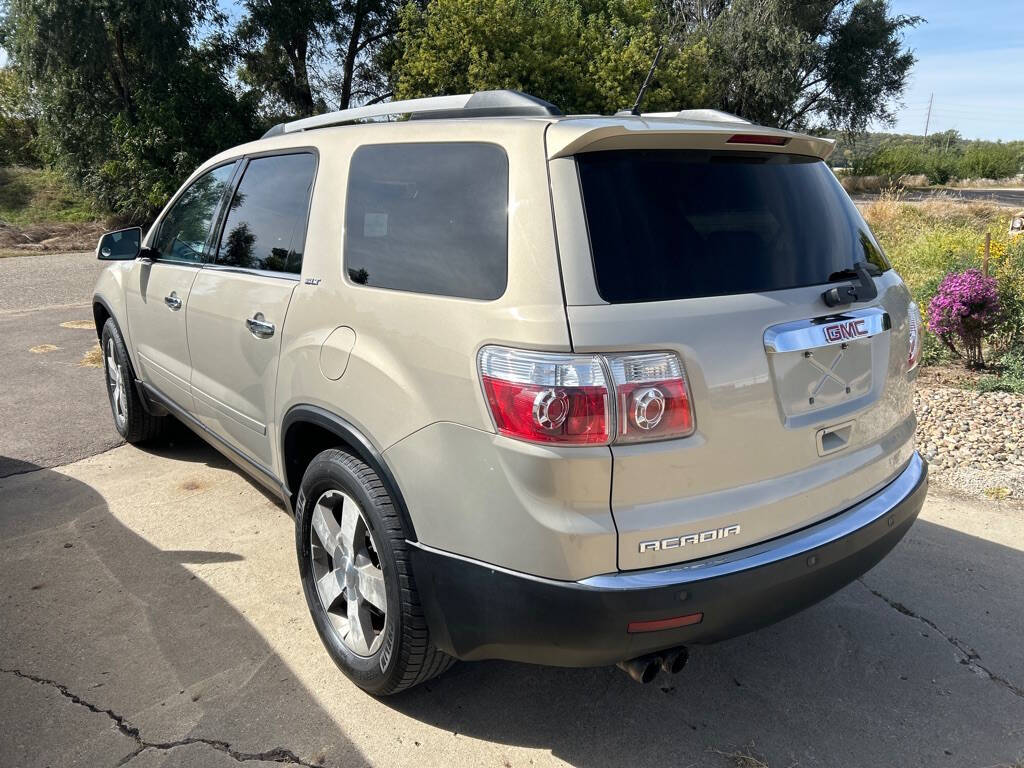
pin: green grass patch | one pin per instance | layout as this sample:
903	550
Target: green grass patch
30	197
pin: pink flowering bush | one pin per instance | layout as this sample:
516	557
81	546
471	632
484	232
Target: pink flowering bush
965	308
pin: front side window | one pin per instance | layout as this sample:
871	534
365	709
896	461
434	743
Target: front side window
266	221
429	218
185	228
677	224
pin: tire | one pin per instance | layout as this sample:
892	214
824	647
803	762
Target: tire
131	419
382	649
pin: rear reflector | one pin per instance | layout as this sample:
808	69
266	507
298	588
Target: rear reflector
754	138
654	626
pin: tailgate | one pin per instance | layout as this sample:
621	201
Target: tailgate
801	410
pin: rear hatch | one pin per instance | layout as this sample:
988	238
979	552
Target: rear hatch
721	255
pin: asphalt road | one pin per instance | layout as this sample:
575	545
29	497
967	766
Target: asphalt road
54	407
1009	197
151	615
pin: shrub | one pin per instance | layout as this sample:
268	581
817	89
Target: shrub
1008	268
988	160
966	306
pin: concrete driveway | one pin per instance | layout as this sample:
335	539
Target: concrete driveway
151	615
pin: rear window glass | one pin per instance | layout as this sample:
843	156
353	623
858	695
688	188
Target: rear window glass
429	218
679	224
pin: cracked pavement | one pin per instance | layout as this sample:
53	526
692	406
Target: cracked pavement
151	616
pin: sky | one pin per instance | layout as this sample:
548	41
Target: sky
971	56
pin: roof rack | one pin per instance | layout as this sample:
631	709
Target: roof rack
708	115
479	104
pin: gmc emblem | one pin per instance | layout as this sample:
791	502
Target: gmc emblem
851	329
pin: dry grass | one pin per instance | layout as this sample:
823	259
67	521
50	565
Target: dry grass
1012	181
865	184
93	358
79	325
42	349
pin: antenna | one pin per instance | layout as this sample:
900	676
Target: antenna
647	81
928	119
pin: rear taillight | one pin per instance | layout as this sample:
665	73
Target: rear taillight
560	398
546	398
916	334
651	397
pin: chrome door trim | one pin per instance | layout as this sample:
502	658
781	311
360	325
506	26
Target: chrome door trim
802	335
258	272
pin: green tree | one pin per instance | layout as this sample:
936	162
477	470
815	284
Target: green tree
989	160
128	102
306	56
803	63
18	126
791	63
583	55
278	41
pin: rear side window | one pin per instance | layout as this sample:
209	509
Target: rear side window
679	224
429	218
266	222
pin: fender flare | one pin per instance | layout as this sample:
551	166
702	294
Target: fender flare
363	448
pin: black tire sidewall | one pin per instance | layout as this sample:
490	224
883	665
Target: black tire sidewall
112	332
378	672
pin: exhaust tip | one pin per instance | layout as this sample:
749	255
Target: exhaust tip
674	660
643	669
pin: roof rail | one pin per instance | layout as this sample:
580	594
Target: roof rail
479	104
708	115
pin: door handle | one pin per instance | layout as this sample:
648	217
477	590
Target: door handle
259	327
173	301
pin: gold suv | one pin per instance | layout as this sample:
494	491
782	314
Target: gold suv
570	390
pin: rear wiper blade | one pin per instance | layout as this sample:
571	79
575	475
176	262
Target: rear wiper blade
862	289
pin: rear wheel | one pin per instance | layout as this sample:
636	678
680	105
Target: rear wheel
131	419
357	579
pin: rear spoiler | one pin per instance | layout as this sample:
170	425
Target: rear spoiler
570	136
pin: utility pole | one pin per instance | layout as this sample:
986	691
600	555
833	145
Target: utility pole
928	119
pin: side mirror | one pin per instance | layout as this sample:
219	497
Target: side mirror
120	245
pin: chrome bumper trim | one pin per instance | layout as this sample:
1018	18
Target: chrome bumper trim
791	545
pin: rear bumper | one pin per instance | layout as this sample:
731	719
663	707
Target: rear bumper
478	611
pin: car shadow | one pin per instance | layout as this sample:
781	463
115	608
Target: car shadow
180	443
859	679
94	612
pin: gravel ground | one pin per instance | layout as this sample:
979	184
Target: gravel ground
973	440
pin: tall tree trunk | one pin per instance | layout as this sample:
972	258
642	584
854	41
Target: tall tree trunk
351	54
303	93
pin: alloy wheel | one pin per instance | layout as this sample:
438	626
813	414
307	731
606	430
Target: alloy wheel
115	380
347	571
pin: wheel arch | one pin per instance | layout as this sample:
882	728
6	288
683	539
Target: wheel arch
306	430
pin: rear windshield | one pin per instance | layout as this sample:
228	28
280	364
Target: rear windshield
679	224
